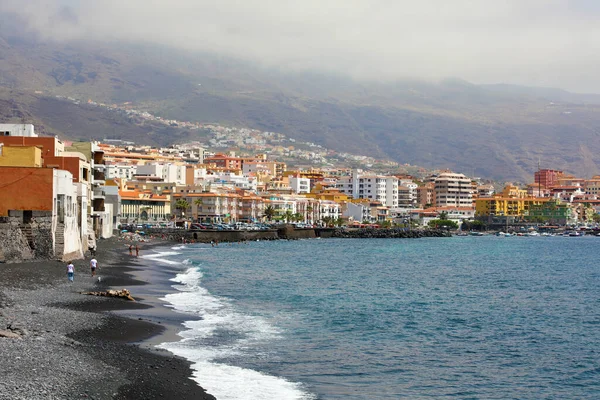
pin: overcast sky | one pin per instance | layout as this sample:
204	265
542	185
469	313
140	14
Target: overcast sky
551	43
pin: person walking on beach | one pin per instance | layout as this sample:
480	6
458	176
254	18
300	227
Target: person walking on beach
70	271
93	266
137	250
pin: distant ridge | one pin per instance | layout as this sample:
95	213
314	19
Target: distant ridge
493	131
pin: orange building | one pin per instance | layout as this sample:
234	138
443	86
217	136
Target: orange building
26	188
51	146
224	161
547	177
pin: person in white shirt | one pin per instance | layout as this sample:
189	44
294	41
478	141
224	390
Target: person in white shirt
93	266
70	271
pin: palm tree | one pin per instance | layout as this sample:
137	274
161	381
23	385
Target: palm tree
269	212
327	220
182	205
288	216
310	216
198	203
297	217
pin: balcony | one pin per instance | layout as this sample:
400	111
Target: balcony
99	194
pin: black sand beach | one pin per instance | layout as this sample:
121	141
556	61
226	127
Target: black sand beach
77	346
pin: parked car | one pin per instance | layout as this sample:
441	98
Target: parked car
197	226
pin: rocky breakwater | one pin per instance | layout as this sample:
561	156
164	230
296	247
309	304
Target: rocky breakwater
364	233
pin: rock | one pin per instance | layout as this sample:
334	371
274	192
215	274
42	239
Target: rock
123	293
9	334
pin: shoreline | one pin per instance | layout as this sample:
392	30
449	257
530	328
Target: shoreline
77	346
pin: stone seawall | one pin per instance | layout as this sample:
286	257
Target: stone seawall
290	233
24	241
389	233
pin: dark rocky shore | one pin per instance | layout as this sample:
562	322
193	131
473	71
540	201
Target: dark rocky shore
66	345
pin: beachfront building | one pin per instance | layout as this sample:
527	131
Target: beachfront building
40	206
551	211
284	207
102	217
357	211
250	207
328	210
208	207
453	189
140	206
379	188
506	206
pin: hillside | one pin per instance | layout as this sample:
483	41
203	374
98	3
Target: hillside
493	131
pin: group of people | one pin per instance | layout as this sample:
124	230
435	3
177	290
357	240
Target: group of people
94	262
71	269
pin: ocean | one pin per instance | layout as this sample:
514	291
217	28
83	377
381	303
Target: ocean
463	317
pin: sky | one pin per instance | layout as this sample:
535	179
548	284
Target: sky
550	43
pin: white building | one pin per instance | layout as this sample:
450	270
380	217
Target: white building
357	212
410	193
121	171
328	208
383	189
65	221
299	185
17	130
405	198
168	172
452	189
231	180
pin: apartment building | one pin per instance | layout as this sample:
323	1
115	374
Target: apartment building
380	188
299	184
167	172
426	195
453	189
547	177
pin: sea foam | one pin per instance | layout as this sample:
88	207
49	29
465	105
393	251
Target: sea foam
226	382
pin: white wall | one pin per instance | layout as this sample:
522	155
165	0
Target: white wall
17	130
120	171
67	190
299	185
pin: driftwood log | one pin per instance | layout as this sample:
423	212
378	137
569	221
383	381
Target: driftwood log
123	293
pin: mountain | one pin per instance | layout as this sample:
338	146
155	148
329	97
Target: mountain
494	131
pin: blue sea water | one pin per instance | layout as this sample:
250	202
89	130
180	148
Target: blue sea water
463	317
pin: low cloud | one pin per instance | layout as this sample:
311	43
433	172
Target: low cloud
531	42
